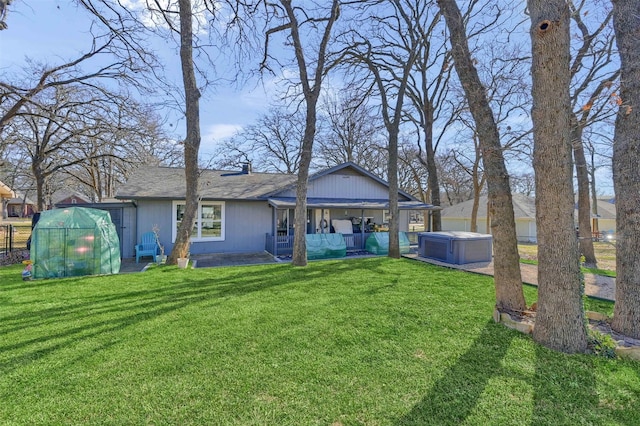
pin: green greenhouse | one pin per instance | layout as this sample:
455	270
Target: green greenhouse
74	241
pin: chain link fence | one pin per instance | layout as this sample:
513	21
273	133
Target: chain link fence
13	242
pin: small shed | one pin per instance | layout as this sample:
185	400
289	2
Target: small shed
74	241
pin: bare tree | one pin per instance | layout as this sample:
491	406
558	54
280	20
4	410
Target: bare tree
311	71
509	293
412	173
4	10
192	139
60	129
593	75
132	135
626	173
523	183
127	23
14	96
387	54
271	144
472	164
428	91
351	130
457	185
560	321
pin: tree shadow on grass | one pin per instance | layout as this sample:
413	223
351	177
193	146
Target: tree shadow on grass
564	389
44	331
453	397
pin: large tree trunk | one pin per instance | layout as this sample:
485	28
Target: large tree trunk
311	94
394	223
626	170
40	179
477	188
473	227
560	321
584	208
509	293
594	192
192	140
299	257
432	169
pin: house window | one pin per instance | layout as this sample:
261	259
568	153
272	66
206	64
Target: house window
209	224
285	220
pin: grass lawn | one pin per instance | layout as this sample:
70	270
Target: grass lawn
351	342
605	255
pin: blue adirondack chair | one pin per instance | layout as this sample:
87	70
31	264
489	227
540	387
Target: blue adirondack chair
148	246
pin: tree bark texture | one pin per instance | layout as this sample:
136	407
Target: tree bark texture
585	237
192	140
560	323
508	282
626	170
40	179
311	91
392	167
432	168
299	257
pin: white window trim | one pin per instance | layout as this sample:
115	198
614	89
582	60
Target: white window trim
174	220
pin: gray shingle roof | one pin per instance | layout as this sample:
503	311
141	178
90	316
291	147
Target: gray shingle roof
606	208
168	183
523	207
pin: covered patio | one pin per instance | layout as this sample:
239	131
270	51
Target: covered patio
354	219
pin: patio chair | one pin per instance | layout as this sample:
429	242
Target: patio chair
148	246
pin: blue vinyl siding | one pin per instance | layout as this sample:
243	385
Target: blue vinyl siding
343	186
246	223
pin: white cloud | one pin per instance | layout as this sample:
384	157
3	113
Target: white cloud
214	133
217	132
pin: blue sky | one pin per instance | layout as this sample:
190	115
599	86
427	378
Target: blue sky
54	31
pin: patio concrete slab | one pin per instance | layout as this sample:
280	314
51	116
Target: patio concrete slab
233	259
207	261
129	265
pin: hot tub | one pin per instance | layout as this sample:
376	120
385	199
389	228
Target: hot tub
455	247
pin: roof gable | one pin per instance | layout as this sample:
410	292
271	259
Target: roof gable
376	188
169	183
5	191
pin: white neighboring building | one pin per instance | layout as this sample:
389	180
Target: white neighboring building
6	194
606	215
458	217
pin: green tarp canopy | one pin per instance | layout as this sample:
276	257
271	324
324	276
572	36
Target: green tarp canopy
325	246
378	243
74	241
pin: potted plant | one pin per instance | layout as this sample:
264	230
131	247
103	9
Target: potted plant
160	258
183	262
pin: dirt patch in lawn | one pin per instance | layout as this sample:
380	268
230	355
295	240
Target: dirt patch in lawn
605	253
